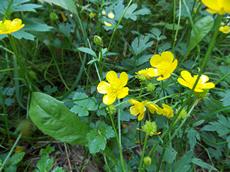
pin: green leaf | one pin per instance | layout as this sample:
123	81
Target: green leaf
66	4
201	163
140	44
226	98
221	126
96	141
87	51
193	136
184	164
81	111
97	138
15	159
53	118
170	155
201	28
132	12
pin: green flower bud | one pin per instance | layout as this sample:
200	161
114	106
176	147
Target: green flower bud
92	15
201	94
111	109
147	160
150	87
183	114
98	40
150	128
53	16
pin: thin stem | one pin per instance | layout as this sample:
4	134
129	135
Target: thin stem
11	151
118	23
119	137
143	153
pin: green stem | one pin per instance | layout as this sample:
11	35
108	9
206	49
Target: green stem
119	138
11	151
118	23
143	153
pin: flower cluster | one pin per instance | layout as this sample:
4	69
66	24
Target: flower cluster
138	109
163	65
10	26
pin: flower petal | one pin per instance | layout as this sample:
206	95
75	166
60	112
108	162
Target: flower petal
208	85
140	116
155	60
167	56
111	76
109	99
123	93
124	78
183	82
103	87
204	78
134	111
186	76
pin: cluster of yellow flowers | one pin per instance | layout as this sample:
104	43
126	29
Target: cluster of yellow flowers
163	65
220	7
138	109
10	26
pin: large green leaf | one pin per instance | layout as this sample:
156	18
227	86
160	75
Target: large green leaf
53	118
201	28
66	4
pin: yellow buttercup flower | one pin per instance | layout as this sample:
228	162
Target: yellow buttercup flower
217	6
225	29
10	26
145	73
166	111
138	109
114	88
187	80
164	65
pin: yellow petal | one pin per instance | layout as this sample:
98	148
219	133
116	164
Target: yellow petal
111	76
124	78
109	99
186	76
167	56
134	111
204	78
163	77
140	116
208	85
123	93
183	82
155	60
103	87
133	101
111	15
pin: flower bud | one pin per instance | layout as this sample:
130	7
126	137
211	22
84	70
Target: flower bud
183	114
150	128
92	15
150	87
111	109
147	160
98	40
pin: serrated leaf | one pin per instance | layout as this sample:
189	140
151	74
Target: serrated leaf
140	44
193	136
184	164
96	142
201	28
53	118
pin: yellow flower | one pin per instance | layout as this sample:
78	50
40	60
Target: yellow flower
217	6
189	81
152	107
163	65
225	29
10	26
114	88
138	109
166	111
146	73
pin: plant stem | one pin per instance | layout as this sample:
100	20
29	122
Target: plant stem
119	137
143	153
11	151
